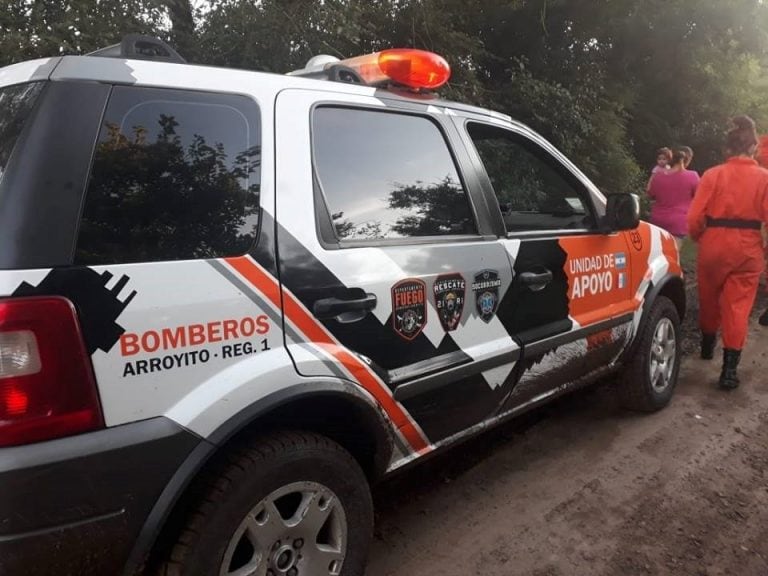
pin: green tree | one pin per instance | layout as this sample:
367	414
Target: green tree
40	29
608	81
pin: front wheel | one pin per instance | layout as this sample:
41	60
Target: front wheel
650	377
289	504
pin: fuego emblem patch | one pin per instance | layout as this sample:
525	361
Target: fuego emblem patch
409	307
450	293
486	289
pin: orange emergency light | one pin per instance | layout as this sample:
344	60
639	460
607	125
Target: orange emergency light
409	67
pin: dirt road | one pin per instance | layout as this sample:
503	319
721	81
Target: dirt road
585	488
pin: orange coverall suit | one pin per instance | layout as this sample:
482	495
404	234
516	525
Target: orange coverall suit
725	217
762	159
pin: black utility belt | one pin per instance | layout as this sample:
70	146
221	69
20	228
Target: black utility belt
734	223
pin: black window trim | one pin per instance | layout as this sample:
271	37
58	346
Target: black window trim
555	233
91	160
84	197
58	249
584	189
322	212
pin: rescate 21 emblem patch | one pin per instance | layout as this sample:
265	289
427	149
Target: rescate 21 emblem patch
409	307
450	293
486	289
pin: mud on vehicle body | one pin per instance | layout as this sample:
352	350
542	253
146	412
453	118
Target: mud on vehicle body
231	300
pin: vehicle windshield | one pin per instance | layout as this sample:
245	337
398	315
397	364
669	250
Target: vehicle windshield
16	103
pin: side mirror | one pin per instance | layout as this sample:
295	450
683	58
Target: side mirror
622	212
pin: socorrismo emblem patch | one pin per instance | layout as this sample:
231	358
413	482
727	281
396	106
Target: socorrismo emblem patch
486	288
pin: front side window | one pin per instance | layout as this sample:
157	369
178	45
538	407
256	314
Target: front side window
386	175
175	176
534	191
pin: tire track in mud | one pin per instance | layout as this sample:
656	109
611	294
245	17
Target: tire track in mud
710	520
585	488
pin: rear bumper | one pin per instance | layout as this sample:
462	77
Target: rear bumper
75	506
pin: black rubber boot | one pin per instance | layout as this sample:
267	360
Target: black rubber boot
728	377
763	320
708	346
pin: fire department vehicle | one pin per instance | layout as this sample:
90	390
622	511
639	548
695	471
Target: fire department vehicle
230	301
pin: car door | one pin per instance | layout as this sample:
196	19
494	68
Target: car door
569	305
381	238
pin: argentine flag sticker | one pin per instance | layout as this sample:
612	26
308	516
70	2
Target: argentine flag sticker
621	260
622	280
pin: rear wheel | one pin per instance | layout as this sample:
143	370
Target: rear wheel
650	377
290	504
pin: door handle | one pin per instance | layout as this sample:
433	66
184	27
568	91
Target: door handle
536	280
341	309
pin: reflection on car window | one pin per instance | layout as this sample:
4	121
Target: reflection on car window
533	190
387	175
175	175
16	103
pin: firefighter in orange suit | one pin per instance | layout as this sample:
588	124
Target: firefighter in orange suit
762	158
726	217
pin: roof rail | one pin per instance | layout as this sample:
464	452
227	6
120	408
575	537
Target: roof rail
325	67
140	47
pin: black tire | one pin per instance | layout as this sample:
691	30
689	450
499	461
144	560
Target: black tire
637	390
253	472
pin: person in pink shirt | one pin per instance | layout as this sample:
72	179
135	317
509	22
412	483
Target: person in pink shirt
672	192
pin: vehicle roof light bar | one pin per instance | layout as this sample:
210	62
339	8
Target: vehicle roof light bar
409	67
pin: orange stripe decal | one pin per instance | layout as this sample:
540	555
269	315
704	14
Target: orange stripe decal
317	334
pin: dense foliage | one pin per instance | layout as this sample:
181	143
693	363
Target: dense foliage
608	81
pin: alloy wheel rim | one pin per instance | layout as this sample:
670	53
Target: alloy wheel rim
663	355
300	529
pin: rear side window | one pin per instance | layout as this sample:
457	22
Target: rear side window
386	175
16	103
175	176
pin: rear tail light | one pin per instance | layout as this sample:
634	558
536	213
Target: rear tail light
47	388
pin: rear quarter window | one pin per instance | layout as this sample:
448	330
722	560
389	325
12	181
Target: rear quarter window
175	175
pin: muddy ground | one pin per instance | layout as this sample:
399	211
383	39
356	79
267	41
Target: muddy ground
582	487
